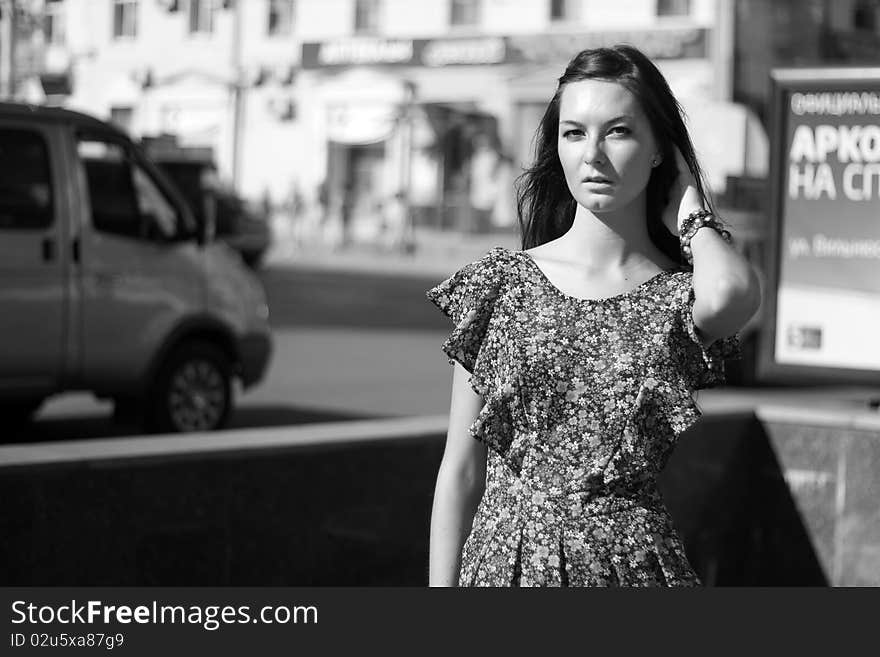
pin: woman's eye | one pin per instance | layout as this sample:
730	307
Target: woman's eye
620	130
572	133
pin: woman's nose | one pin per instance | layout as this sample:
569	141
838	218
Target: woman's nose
593	151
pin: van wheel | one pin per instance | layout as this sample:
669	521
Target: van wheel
193	391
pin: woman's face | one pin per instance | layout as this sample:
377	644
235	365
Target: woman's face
605	144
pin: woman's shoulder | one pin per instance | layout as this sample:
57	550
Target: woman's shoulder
494	264
499	254
482	279
470	297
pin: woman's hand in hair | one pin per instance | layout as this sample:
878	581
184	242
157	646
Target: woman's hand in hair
684	197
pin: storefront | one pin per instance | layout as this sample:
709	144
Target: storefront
413	117
450	120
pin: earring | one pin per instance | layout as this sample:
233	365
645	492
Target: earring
655	162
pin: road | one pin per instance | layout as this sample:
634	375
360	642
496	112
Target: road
347	345
359	300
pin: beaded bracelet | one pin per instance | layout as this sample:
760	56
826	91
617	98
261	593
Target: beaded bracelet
692	223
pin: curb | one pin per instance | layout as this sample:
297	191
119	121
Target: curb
218	442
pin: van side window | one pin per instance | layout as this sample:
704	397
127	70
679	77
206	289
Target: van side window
25	181
124	198
111	192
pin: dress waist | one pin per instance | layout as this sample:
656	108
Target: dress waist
579	505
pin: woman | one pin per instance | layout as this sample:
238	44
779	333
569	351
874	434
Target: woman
575	359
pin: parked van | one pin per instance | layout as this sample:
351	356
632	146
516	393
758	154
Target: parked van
107	283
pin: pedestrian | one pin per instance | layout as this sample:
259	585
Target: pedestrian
575	358
395	222
348	201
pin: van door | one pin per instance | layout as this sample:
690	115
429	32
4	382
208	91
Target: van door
140	273
33	289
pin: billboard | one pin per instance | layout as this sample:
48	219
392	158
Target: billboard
823	293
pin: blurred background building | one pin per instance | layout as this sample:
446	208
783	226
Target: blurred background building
355	105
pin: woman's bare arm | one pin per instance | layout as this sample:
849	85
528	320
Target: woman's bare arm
726	287
460	483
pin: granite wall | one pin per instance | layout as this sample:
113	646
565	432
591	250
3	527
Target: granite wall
762	502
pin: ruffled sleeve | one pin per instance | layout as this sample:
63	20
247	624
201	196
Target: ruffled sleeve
702	366
468	298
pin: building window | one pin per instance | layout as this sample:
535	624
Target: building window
866	14
201	16
563	10
673	7
280	17
125	19
366	16
53	27
122	117
464	12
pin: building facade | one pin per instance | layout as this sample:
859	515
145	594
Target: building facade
214	73
442	98
799	33
357	103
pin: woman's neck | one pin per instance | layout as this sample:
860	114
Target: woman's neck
609	242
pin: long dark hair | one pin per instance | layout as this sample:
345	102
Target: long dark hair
545	206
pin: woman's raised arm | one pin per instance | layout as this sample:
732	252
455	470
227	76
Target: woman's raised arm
727	290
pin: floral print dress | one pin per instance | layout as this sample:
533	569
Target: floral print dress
583	402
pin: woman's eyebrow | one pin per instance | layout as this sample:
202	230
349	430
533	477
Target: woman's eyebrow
614	120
